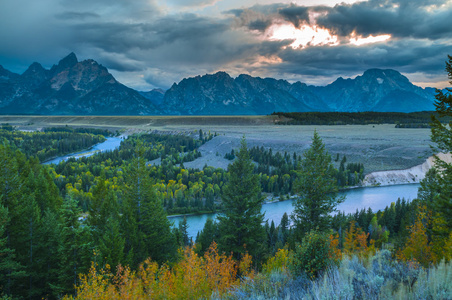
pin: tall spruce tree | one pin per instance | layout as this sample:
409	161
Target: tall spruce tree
104	223
147	229
240	224
207	235
75	249
317	190
10	269
12	272
442	136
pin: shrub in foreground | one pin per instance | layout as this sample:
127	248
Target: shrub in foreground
378	277
193	277
315	254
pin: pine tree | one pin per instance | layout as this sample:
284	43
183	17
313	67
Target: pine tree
317	190
442	136
10	197
283	228
160	243
183	227
147	229
207	235
111	243
240	224
75	248
10	268
103	220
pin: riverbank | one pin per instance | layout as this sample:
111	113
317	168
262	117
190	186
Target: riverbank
109	144
406	176
376	198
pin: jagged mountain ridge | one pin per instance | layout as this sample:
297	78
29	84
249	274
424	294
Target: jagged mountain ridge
219	93
375	90
69	88
87	88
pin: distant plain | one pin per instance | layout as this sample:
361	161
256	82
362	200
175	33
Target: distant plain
378	147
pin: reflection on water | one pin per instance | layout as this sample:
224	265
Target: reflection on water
377	198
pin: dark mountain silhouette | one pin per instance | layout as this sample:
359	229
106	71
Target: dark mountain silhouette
70	87
87	88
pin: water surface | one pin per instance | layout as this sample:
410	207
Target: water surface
110	144
377	198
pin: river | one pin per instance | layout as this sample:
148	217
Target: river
376	198
110	144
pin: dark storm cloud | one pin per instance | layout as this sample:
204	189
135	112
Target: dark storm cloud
120	63
405	56
187	27
188	30
401	19
76	15
119	9
297	15
258	17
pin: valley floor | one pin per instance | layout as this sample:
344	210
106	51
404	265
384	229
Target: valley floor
378	147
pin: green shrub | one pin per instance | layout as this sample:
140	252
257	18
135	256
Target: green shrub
314	255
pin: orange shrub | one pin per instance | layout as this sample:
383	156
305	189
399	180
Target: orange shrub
193	277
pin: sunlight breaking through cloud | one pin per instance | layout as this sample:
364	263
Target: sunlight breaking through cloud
303	36
358	41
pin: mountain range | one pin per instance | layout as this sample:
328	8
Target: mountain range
87	88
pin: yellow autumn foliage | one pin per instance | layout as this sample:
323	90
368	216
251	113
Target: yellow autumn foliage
193	277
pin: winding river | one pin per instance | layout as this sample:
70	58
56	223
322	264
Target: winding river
374	197
110	144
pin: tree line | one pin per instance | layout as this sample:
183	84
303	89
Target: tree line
402	120
51	142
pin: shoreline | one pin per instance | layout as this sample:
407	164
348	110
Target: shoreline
405	176
82	152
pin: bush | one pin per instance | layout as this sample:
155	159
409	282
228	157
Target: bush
314	255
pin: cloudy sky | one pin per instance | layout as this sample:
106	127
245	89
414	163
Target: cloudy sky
153	43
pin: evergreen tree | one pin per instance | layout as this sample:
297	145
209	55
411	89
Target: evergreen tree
111	243
442	136
183	227
147	229
47	264
75	248
10	269
240	224
283	228
159	240
103	220
11	187
317	190
207	235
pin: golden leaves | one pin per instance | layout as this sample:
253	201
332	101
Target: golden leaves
193	277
